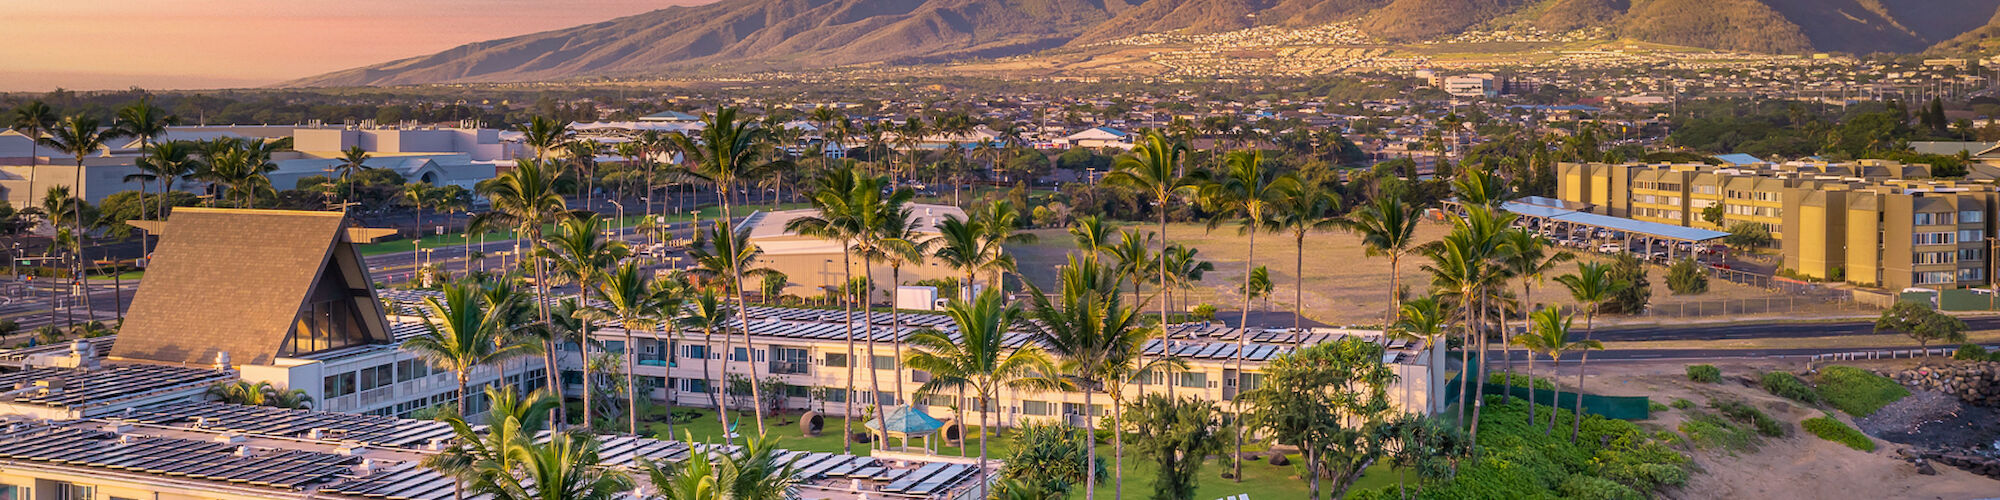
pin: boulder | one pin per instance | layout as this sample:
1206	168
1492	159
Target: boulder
1924	467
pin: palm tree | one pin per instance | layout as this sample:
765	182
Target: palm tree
631	299
726	155
838	220
583	155
1086	328
853	208
1388	228
526	198
1184	268
144	121
415	194
1090	234
79	137
566	467
544	136
460	334
1002	221
1591	286
978	356
708	312
1304	209
1425	320
963	246
1550	337
1462	265
168	162
1247	191
242	168
580	254
34	119
1134	257
759	471
353	161
1154	167
1525	254
902	244
718	257
510	420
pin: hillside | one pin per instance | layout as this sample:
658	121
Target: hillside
735	36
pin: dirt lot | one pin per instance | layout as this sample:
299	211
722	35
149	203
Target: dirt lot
1798	466
1342	285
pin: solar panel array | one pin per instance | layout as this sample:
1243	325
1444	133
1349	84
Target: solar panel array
207	460
371	430
409	482
115	382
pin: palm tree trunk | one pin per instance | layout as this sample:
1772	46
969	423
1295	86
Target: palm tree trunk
1089	447
673	393
560	414
1531	387
1117	450
707	348
896	325
847	300
868	329
1166	337
1479	391
583	352
1576	424
631	395
743	318
1555	368
1395	286
728	357
1299	294
1242	341
463	374
984	477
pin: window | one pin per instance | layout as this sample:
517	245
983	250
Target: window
338	385
833	394
883	363
376	377
1971	216
1971	254
935	399
836	360
1251	381
411	369
739	354
1932	277
694	385
1971	274
797	391
1038	408
1933	257
11	492
1933	238
1971	235
614	346
69	491
1194	380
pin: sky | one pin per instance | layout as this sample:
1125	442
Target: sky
183	44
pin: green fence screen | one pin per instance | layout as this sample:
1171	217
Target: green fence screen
1618	407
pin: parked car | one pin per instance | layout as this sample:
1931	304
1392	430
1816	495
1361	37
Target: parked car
1610	248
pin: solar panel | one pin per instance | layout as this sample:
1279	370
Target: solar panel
286	469
371	430
911	479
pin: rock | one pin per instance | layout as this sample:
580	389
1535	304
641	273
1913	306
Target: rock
1279	459
1924	467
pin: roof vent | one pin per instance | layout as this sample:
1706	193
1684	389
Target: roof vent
229	438
366	466
242	451
129	438
84	354
436	444
200	422
352	450
118	427
222	360
316	433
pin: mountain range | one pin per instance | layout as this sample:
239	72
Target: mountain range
733	36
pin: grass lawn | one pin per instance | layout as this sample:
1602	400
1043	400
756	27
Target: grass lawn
128	275
1261	480
448	240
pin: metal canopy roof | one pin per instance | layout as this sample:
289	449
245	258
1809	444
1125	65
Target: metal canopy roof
1654	229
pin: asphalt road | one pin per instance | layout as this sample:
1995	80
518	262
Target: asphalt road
1761	330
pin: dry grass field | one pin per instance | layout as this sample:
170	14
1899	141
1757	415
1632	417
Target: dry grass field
1342	285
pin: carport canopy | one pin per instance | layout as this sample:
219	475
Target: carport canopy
1629	226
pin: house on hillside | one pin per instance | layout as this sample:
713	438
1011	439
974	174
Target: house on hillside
1100	137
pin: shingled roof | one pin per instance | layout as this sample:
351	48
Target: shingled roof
231	280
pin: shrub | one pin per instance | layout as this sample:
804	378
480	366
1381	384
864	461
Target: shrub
1682	404
1971	352
1707	430
1521	380
1786	385
1704	373
1687	278
1746	414
1655	407
1582	486
1518	461
1205	311
1856	391
1832	429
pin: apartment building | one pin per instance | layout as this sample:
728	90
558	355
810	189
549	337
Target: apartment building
1870	222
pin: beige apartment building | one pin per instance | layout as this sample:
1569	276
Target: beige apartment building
1868	222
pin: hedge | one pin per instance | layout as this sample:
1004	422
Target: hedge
1856	391
1786	385
1704	373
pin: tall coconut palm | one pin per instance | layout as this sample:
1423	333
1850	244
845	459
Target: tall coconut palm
1550	337
353	161
838	220
1154	167
582	155
526	198
631	299
545	136
1302	210
79	136
567	466
1086	328
1091	234
977	356
1525	254
708	311
33	119
1184	268
1388	228
580	254
1133	257
168	162
727	154
461	334
144	121
1425	320
903	243
963	246
1246	193
1002	222
1462	264
718	258
1592	285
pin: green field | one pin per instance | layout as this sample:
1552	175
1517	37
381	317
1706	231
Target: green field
1261	480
